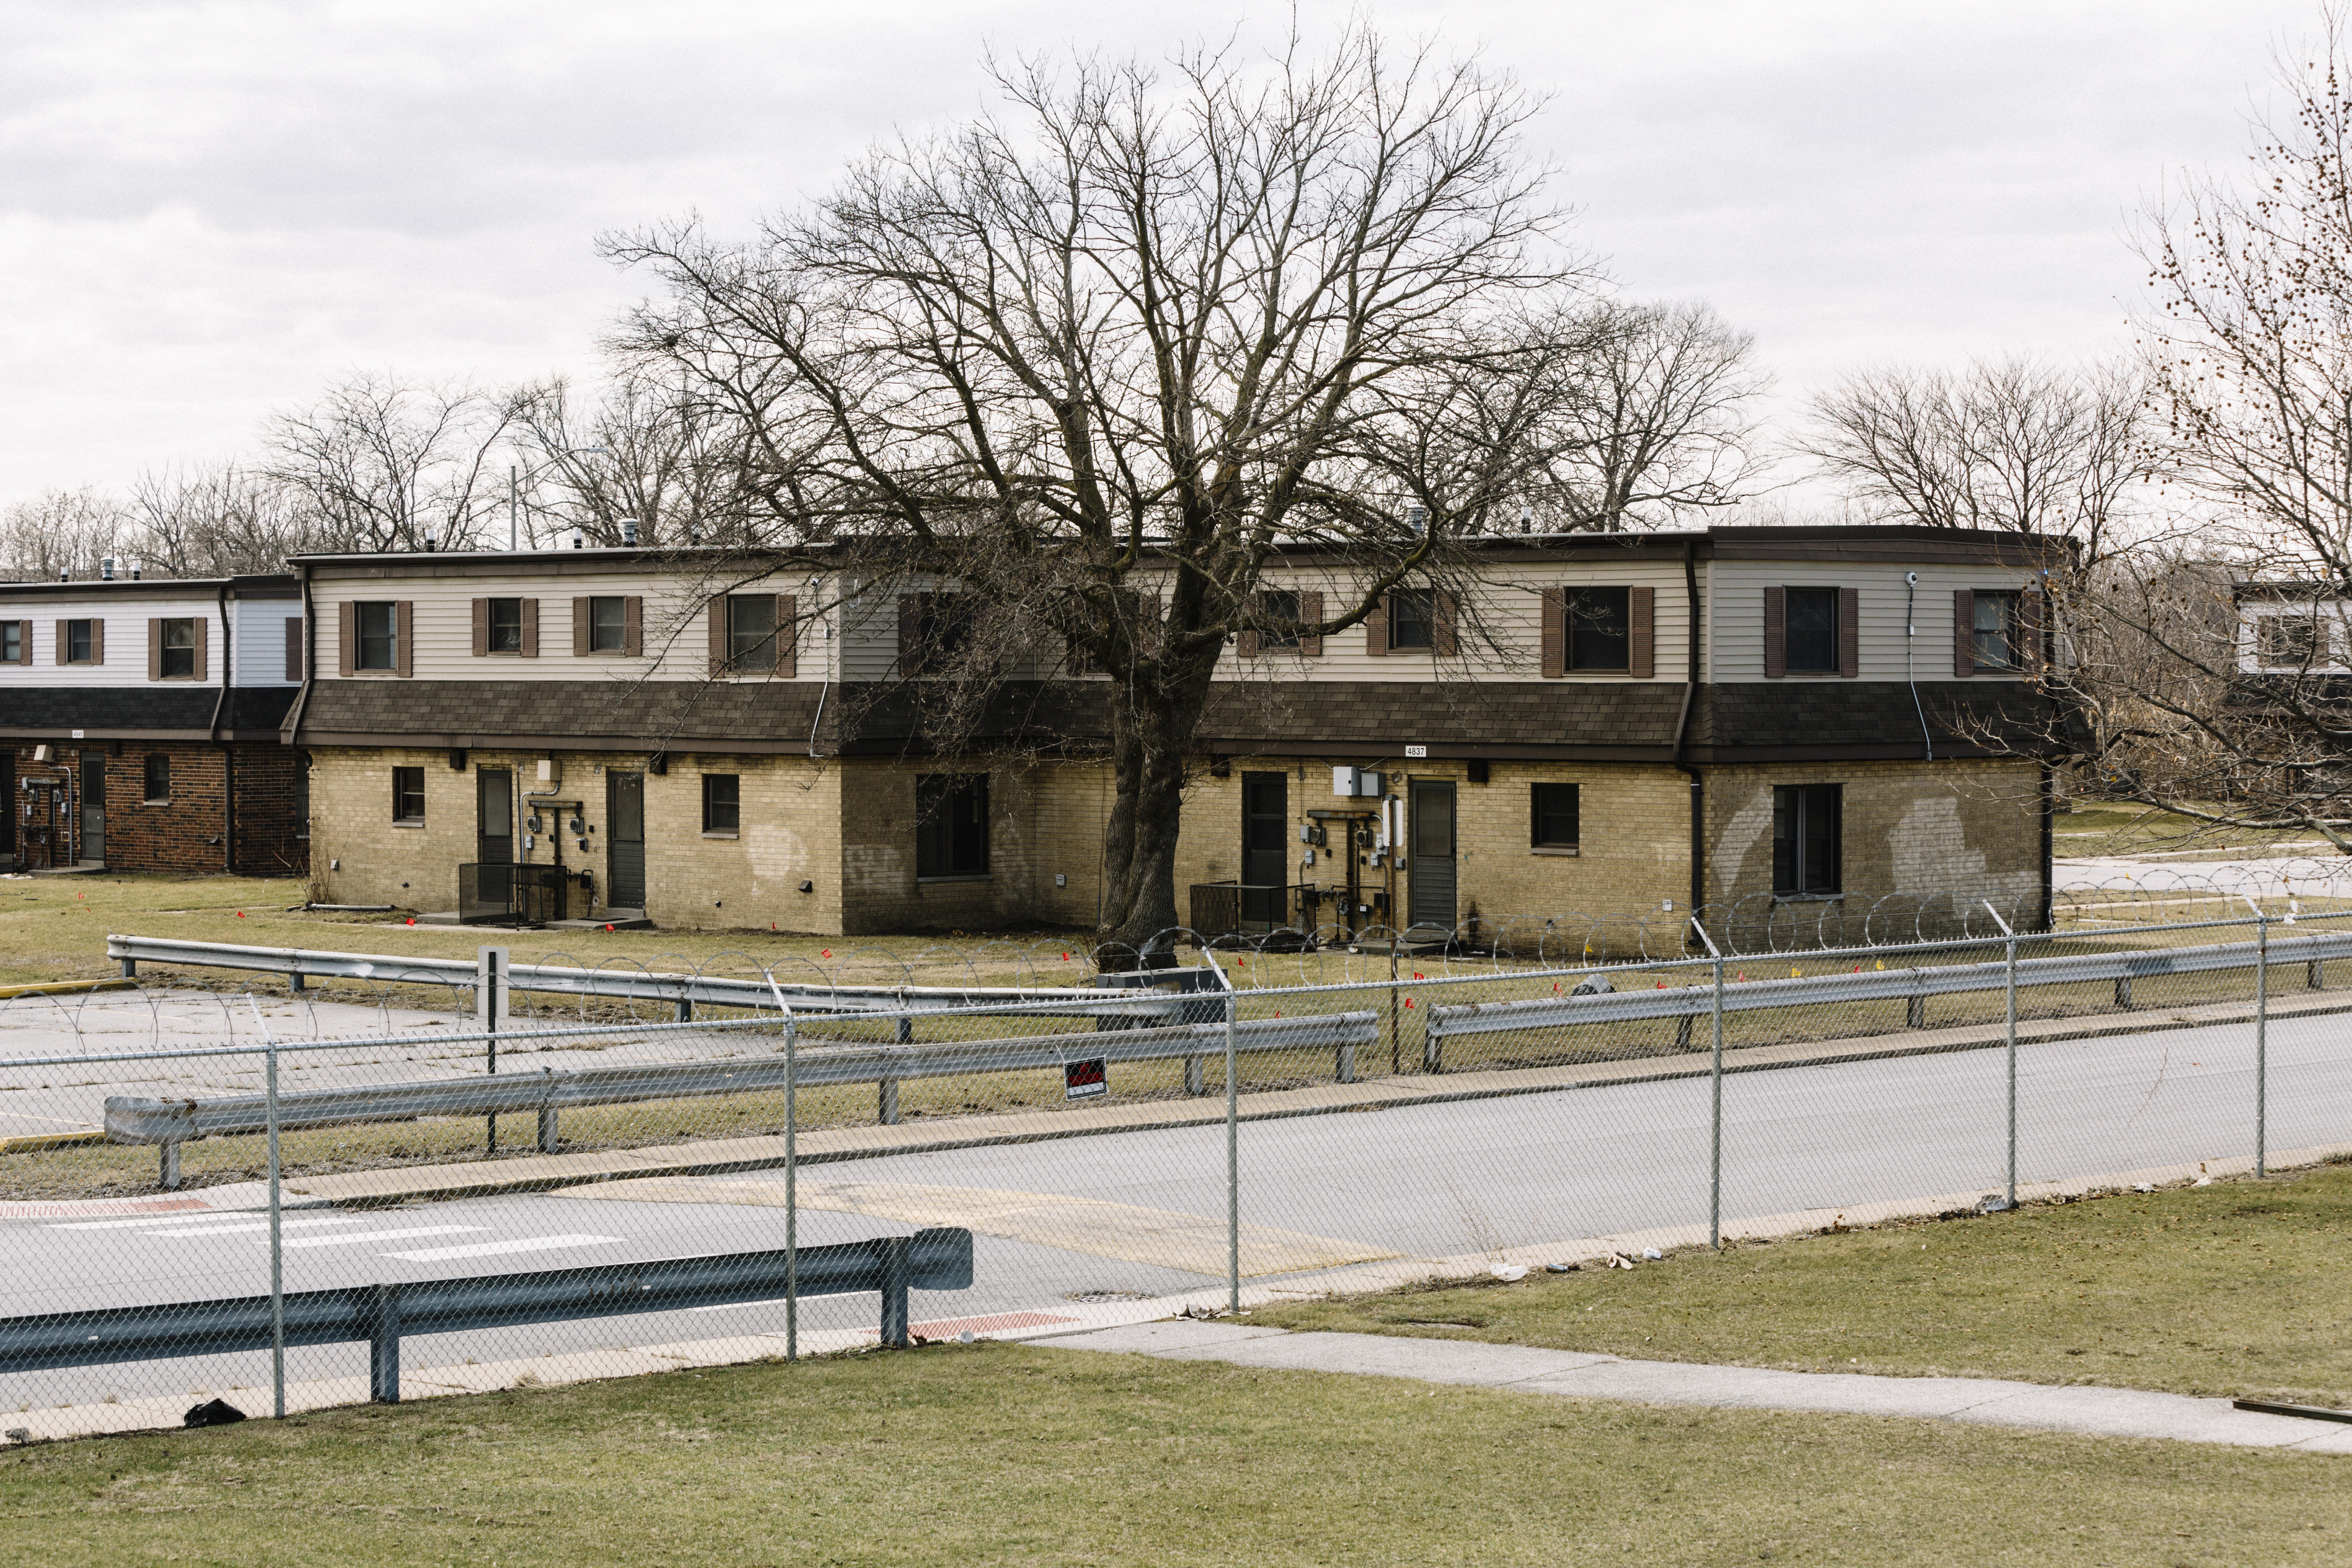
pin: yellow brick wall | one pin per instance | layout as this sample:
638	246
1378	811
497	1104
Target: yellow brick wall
880	892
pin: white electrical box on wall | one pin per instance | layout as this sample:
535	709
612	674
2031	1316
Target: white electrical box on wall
1343	781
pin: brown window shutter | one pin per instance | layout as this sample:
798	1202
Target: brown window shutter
1248	643
404	635
1376	627
1552	636
23	642
1964	633
204	649
1849	631
61	644
154	648
911	632
1641	633
579	629
481	628
718	619
1441	641
788	665
633	625
294	670
530	628
2031	622
345	632
97	639
1776	634
1310	611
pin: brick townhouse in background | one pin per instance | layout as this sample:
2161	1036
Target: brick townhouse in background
1644	722
143	725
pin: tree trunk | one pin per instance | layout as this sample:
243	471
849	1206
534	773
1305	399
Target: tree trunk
1151	732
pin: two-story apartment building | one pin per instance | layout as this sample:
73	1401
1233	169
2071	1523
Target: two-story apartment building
142	724
1591	722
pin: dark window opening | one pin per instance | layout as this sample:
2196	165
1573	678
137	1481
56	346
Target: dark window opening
159	779
378	639
951	825
722	802
408	794
751	631
1600	630
2288	639
941	632
506	625
1552	817
1805	840
1280	608
1994	632
1412	618
81	642
1812	630
179	647
608	624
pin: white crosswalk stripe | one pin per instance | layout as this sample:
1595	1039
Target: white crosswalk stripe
258	1228
493	1248
382	1236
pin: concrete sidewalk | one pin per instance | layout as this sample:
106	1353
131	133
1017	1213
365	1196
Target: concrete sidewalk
2100	1411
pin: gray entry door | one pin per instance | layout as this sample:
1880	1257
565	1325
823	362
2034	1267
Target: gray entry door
1432	848
625	845
494	832
93	807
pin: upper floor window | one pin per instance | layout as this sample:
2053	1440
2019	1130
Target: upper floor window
608	624
1599	628
1412	618
377	642
2292	639
1280	606
751	631
178	658
1993	629
1812	630
934	629
506	625
79	642
12	642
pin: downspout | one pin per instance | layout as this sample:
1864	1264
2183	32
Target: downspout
293	730
1682	735
212	735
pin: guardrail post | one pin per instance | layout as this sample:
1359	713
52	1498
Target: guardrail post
2315	975
1915	1014
294	981
1196	1075
382	1325
2123	992
550	1137
1343	1064
170	1163
887	1107
1683	1027
685	1008
892	1251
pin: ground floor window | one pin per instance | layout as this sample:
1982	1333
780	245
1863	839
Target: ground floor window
1552	817
1806	822
951	825
722	802
408	794
159	779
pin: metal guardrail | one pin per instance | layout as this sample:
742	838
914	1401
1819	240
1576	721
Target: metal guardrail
1912	985
140	1119
682	990
938	1259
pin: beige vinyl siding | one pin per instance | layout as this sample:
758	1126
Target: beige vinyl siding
671	625
1736	649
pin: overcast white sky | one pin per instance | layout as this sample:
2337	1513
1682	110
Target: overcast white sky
211	210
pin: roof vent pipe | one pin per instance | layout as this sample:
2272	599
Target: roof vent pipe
629	531
579	538
106	569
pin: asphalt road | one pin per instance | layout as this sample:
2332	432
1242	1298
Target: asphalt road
1142	1211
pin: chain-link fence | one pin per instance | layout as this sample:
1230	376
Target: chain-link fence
497	1193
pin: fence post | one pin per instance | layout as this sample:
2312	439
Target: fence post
489	984
2010	1014
1715	1110
791	1172
1234	1153
383	1310
895	1329
2262	1035
277	1229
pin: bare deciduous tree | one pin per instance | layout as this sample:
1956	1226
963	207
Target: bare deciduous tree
1094	362
383	464
648	453
64	532
2010	444
219	520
